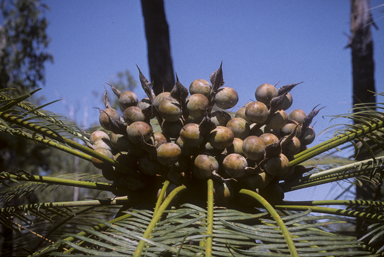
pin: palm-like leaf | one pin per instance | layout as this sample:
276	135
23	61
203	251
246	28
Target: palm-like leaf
182	225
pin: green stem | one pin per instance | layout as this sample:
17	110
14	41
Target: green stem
161	196
208	244
339	173
156	217
355	214
95	203
307	182
57	181
45	141
334	142
51	134
336	202
276	217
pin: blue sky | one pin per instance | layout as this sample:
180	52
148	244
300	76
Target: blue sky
257	41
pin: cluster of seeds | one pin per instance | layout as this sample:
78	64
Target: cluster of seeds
199	140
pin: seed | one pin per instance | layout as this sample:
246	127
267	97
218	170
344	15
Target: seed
168	153
260	180
99	163
132	114
226	98
265	92
170	110
236	147
234	165
253	148
204	165
190	134
268	138
220	118
257	112
297	115
159	99
110	173
287	101
239	127
127	99
200	86
196	105
137	130
221	137
277	165
308	136
105	117
171	128
278	120
98	134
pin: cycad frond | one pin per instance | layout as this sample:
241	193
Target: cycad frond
28	110
184	232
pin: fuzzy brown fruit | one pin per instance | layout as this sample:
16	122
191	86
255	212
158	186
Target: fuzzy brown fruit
200	86
253	148
190	134
234	165
265	92
138	130
226	98
277	165
168	153
204	165
221	137
257	112
239	127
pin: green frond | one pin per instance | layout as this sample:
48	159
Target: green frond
183	231
371	126
353	170
34	183
29	110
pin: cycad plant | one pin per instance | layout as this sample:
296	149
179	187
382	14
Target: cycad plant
190	179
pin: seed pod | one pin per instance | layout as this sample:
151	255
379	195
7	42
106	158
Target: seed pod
277	166
265	92
168	153
239	127
159	139
297	115
221	137
220	118
241	113
190	134
122	144
127	99
99	163
288	128
106	116
137	130
200	86
277	120
287	101
269	138
160	98
257	112
170	110
236	147
253	148
291	147
234	165
204	165
98	134
102	143
307	136
196	105
132	114
226	98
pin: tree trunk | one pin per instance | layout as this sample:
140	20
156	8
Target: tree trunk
159	53
361	44
363	67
